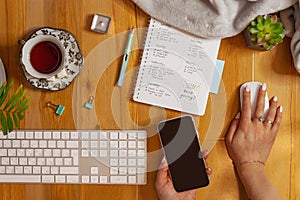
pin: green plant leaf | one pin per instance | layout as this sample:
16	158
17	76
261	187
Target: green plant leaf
253	23
260	19
5	93
16	120
260	35
12	111
20	115
12	98
23	108
267	21
2	88
253	30
21	105
17	100
9	122
260	27
3	123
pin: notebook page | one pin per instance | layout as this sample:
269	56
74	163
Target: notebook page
176	69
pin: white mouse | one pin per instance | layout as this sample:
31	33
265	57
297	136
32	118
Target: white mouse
254	88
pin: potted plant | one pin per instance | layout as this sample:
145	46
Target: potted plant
12	108
264	32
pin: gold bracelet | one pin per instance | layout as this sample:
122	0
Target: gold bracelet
251	161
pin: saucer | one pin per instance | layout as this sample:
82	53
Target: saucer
73	65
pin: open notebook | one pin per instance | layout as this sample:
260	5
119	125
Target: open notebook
176	69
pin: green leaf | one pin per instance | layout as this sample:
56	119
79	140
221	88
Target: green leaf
253	23
20	116
12	111
12	98
260	19
23	108
260	35
253	30
260	27
5	93
17	100
3	123
2	88
267	21
9	122
16	120
21	105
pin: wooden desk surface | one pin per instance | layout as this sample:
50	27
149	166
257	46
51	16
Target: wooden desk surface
115	110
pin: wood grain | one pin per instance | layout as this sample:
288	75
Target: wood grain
114	108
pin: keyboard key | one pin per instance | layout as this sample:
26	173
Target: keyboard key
85	179
103	136
103	179
72	179
132	179
38	135
94	170
29	135
20	178
16	144
60	179
74	135
48	179
68	170
72	144
47	135
32	161
114	135
94	179
118	179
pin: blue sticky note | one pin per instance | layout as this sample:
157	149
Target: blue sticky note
215	83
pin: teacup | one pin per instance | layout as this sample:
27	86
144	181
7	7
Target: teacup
43	56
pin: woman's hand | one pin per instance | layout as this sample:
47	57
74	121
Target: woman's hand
249	139
164	185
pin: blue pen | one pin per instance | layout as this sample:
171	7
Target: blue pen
126	58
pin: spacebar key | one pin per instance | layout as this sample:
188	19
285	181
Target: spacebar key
20	178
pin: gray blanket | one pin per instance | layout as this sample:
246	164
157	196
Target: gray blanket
221	19
211	18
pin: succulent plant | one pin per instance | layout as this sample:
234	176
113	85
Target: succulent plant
266	31
11	108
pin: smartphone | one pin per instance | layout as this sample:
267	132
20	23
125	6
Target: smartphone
183	153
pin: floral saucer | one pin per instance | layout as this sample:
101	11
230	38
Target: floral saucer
73	65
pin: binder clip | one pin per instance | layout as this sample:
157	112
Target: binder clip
89	104
59	109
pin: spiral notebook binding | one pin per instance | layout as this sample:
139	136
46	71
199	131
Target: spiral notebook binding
143	58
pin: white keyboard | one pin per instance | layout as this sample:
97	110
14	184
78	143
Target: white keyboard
74	157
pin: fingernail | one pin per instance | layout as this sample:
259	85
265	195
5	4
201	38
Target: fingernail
275	98
205	153
280	109
208	170
264	87
247	88
238	115
162	160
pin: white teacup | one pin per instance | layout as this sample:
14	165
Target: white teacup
43	56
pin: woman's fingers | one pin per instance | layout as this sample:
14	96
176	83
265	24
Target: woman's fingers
277	120
232	128
272	112
246	104
260	103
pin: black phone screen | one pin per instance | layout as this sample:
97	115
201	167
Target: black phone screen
183	153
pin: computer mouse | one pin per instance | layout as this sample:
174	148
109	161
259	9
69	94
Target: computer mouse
254	89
